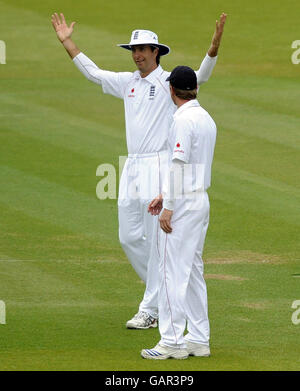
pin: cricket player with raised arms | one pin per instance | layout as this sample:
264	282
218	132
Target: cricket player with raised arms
149	113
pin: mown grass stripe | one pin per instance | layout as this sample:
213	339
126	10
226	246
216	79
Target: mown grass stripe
73	132
278	186
53	203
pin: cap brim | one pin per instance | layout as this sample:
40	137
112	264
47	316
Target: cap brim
124	46
163	49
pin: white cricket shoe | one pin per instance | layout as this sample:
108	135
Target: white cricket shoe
197	349
142	320
160	352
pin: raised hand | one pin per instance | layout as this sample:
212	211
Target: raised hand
59	24
219	30
216	39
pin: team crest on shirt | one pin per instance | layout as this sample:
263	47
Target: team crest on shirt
152	92
178	150
131	95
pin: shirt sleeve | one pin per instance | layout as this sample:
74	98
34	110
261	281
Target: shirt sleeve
173	188
206	68
183	140
113	83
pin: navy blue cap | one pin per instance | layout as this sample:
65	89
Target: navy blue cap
183	77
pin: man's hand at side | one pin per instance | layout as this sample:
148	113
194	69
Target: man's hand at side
155	205
165	220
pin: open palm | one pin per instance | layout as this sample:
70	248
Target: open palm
59	24
219	30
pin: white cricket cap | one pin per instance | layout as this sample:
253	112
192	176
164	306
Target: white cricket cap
145	37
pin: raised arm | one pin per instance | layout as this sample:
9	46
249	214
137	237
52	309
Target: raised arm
112	83
207	65
64	32
82	62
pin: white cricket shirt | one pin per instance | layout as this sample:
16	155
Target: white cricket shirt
148	105
192	139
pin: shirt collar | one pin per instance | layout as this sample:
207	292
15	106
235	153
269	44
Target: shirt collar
152	76
185	106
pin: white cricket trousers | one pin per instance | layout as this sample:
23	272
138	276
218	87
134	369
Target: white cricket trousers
140	182
182	296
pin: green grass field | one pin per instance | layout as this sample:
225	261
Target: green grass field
66	282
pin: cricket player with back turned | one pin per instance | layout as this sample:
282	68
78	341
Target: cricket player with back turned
182	296
148	117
